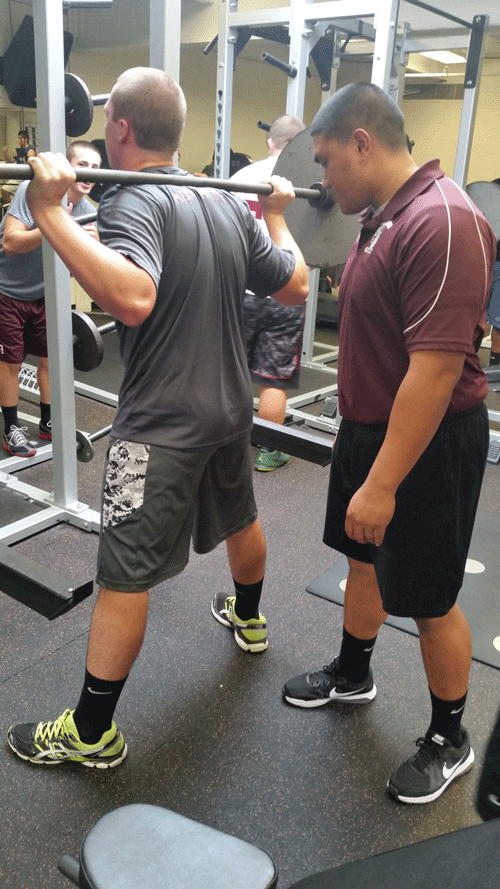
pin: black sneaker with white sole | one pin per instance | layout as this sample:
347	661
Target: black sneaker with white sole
426	774
315	689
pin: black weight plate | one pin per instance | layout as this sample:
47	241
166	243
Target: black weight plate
324	236
88	350
79	107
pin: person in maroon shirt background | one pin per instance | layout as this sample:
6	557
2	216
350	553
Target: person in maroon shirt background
409	458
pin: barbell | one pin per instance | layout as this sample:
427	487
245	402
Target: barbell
305	445
88	348
322	232
84	443
79	105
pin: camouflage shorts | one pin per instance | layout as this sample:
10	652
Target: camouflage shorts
273	334
156	499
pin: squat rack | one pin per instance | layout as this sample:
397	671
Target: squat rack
307	24
321	31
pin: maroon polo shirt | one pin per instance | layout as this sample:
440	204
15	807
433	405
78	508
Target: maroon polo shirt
418	278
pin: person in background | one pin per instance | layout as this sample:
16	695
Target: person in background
493	312
273	331
22	301
20	156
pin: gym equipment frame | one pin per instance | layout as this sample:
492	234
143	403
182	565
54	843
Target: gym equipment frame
327	27
307	24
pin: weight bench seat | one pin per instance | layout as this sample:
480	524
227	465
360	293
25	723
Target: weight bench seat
142	846
465	859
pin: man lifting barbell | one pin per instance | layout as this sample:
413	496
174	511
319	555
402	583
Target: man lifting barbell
22	300
171	266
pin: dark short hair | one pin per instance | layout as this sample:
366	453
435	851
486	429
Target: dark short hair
24	133
365	106
283	129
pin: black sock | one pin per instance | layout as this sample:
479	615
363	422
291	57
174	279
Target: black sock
494	359
94	711
446	718
354	657
247	599
45	413
9	418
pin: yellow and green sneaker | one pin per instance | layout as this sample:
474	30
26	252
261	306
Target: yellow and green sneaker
52	743
266	461
250	635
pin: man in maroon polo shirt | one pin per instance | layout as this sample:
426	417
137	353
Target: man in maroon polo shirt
409	458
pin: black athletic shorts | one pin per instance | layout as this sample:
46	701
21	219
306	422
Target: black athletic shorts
421	561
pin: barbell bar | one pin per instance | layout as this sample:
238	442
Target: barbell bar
84	443
305	445
318	195
321	230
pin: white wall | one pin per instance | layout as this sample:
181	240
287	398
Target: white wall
260	94
434	126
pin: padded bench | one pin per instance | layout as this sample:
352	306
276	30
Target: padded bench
147	847
142	846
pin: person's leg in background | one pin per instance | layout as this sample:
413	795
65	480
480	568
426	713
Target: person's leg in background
45	425
14	314
493	316
274	339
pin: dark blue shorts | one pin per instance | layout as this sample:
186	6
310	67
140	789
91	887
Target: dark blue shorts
421	562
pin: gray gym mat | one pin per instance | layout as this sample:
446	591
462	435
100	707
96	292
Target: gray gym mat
479	597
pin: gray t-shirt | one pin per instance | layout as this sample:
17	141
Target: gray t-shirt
21	276
186	382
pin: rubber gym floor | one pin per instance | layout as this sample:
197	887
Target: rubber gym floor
208	733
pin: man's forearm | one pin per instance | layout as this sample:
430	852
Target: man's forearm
18	242
298	287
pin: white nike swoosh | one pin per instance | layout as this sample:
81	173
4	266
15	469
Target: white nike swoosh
369	649
346	694
449	771
459	709
92	692
494	799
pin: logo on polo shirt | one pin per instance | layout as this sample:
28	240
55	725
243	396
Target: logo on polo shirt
376	235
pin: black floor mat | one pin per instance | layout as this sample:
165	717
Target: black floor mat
479	597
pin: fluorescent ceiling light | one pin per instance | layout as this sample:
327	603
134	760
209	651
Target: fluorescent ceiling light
445	57
435	75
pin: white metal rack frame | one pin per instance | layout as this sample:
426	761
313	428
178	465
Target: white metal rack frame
308	23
